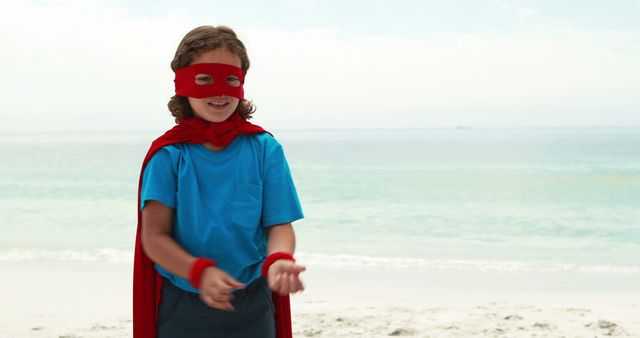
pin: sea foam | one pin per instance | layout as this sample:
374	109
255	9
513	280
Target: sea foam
111	255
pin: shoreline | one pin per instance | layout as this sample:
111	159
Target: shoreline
72	299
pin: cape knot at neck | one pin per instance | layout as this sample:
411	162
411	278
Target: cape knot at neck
222	133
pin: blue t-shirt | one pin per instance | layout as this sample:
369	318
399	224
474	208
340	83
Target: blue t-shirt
223	200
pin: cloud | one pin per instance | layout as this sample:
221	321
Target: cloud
526	12
83	63
89	66
477	78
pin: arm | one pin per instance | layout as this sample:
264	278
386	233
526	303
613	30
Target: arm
281	238
159	245
284	275
157	222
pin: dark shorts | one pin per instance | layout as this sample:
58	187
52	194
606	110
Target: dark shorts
183	315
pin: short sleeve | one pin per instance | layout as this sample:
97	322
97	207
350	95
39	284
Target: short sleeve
159	180
280	203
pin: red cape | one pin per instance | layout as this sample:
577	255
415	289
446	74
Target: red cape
147	283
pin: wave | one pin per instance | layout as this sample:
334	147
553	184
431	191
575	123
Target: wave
111	255
368	262
108	255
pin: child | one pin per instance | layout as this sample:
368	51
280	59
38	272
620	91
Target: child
215	206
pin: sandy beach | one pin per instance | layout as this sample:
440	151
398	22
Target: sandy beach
74	299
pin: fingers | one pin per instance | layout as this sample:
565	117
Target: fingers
221	296
284	277
216	289
221	279
295	284
284	284
296	268
232	283
291	267
298	285
274	283
287	266
211	302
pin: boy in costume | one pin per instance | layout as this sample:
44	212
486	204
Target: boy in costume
214	245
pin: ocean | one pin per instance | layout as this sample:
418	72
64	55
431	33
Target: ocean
529	199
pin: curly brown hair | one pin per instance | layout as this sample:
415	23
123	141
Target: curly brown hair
203	39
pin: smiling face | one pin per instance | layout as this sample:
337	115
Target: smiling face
215	108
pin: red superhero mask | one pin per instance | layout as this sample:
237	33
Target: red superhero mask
209	79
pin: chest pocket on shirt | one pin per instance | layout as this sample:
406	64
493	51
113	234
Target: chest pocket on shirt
247	205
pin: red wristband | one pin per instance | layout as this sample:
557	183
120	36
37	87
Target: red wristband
196	270
276	256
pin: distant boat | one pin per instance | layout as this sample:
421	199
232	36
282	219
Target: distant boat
462	127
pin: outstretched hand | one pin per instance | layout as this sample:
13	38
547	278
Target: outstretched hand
284	277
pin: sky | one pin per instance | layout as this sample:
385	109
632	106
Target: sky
95	65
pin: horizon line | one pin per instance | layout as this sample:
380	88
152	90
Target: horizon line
456	127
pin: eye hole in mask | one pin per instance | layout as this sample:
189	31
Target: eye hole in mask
206	79
202	80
